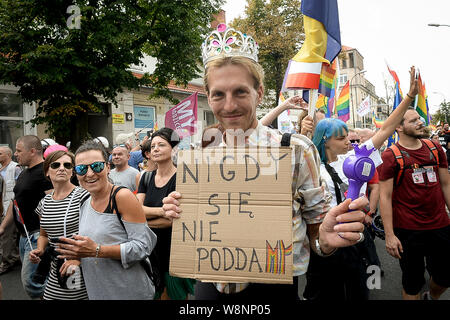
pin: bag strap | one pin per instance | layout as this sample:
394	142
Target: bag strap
113	202
433	149
336	181
400	161
147	177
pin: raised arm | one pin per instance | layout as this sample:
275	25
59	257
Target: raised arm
393	121
295	102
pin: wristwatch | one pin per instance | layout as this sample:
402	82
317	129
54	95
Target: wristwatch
319	251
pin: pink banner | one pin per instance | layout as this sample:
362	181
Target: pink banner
183	117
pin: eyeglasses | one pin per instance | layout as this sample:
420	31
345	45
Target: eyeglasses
97	167
354	141
57	165
119	145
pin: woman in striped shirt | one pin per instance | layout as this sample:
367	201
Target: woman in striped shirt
59	216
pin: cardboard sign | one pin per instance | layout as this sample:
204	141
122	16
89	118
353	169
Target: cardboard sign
236	224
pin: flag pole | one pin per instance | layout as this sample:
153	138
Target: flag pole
313	94
16	208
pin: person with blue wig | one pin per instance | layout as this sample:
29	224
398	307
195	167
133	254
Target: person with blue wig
343	276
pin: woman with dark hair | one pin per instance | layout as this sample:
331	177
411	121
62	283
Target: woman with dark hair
113	238
59	216
152	189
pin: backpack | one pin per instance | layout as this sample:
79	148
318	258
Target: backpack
401	161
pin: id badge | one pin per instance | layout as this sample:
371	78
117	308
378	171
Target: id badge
417	177
431	175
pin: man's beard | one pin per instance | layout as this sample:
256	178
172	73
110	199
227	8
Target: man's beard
412	133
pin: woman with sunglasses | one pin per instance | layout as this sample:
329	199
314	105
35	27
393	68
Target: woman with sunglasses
110	249
59	216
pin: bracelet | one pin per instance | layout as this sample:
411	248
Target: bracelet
97	251
412	98
319	251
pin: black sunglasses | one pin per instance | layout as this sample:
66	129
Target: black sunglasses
96	166
57	165
354	141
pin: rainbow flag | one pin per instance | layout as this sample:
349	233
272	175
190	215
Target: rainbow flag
281	98
343	103
421	103
377	122
322	103
397	99
322	44
426	102
332	99
396	79
326	78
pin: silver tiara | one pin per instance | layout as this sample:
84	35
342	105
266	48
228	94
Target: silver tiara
228	42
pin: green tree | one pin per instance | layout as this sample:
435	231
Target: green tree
443	114
277	26
68	65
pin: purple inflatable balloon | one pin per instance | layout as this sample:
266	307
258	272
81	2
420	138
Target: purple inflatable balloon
358	168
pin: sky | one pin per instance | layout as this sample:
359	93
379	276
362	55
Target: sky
396	32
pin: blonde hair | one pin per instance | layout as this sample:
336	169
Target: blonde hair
254	69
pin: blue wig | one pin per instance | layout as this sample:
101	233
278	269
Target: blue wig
325	129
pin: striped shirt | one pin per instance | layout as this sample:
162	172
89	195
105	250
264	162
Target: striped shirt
61	218
310	195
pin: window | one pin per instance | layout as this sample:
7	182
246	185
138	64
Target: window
344	63
11	119
342	79
350	58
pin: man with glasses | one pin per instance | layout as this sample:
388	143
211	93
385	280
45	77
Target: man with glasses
31	186
353	137
123	174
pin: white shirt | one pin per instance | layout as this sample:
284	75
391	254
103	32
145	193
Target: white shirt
338	167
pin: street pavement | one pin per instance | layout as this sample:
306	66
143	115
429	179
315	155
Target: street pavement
390	288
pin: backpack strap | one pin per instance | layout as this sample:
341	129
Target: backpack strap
336	181
114	204
286	139
433	149
147	177
400	161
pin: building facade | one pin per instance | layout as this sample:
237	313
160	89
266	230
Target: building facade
351	64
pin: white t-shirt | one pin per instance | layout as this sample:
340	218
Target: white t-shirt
338	167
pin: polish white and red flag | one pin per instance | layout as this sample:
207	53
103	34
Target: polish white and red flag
183	117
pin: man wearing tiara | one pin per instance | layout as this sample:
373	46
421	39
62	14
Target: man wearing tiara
234	85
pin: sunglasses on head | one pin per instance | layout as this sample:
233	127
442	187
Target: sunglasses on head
97	167
57	165
119	145
354	141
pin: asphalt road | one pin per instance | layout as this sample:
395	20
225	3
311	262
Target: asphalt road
390	286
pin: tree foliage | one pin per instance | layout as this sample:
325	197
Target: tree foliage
277	26
69	71
442	115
